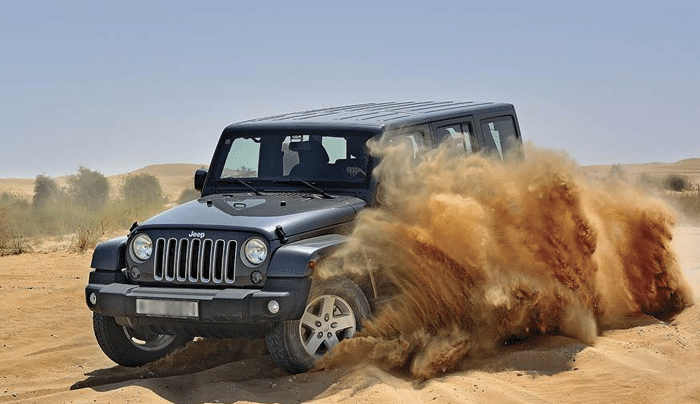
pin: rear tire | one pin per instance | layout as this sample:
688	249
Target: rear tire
335	311
129	347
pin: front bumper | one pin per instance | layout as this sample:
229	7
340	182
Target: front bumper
229	305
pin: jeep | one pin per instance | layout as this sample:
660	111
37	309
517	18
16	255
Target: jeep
280	195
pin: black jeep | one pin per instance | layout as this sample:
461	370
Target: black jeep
280	195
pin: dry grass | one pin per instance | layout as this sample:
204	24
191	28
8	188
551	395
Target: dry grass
686	203
21	224
25	224
88	235
12	243
677	190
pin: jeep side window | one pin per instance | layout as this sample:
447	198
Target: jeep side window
458	134
415	138
499	134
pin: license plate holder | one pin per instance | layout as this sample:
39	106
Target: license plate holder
167	308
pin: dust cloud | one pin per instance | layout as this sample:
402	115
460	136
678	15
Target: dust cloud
469	253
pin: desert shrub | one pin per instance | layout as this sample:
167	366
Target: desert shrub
50	205
686	203
675	182
14	244
18	215
88	234
646	181
188	195
142	189
11	241
676	190
88	189
4	241
4	234
245	172
9	200
616	172
46	192
82	209
122	215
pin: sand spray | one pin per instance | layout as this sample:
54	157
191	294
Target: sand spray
468	252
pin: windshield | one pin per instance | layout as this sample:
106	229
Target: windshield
336	157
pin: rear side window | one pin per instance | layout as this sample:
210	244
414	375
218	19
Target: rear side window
500	135
415	138
458	135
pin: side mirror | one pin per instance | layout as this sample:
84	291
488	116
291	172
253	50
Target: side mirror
199	176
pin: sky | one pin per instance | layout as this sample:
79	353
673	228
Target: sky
116	85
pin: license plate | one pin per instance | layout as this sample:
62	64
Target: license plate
167	308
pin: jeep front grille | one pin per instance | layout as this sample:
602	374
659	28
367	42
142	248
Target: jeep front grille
195	260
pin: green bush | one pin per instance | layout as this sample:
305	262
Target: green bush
88	189
46	192
142	190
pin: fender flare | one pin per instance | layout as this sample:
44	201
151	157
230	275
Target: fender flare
109	255
292	260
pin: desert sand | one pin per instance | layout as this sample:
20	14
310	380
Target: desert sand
48	354
48	348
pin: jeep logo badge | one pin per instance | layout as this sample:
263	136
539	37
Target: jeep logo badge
196	234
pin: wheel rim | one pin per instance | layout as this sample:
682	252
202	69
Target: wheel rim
327	320
148	342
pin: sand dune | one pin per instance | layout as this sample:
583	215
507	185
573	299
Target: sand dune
690	168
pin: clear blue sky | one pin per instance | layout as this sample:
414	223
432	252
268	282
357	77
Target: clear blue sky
117	85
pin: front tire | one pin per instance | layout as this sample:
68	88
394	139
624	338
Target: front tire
132	348
335	311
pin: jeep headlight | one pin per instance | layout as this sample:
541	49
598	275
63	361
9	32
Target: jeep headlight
255	251
142	247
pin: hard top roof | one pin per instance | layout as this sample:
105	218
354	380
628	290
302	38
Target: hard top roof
373	115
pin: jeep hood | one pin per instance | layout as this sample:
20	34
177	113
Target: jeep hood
247	212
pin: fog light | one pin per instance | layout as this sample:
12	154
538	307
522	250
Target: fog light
93	298
273	306
135	273
256	277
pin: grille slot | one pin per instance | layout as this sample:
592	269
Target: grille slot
203	261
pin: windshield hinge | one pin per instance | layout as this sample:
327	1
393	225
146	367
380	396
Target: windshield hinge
280	233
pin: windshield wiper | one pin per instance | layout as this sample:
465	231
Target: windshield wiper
239	181
302	182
